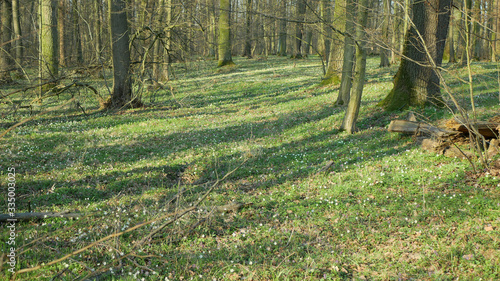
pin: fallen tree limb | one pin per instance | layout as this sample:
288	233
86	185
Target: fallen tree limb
411	127
43	215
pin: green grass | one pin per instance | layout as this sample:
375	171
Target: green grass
385	210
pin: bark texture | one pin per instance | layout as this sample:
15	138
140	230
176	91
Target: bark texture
121	96
5	45
225	57
48	39
416	82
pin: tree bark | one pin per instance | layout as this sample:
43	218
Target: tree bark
326	31
247	49
352	112
282	30
5	45
299	28
77	40
384	51
121	95
348	60
225	57
336	55
416	82
61	14
16	26
48	63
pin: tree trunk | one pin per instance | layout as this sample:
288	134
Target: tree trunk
61	14
416	82
5	45
77	41
348	60
467	24
121	96
97	30
336	55
167	58
48	39
16	26
451	40
299	28
326	31
282	30
351	115
247	51
384	51
225	57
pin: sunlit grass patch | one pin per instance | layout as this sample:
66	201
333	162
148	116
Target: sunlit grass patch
383	209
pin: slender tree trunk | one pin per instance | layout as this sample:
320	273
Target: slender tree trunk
299	28
384	51
97	30
225	57
48	39
348	59
121	96
416	82
467	24
61	14
451	40
326	31
336	55
247	51
77	41
308	41
5	45
352	112
282	30
167	58
16	25
494	29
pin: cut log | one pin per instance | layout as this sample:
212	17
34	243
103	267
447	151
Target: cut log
30	216
487	129
410	127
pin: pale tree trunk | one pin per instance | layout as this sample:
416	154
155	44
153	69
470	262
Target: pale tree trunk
5	45
352	112
16	26
384	50
495	13
348	59
98	30
61	14
247	49
467	24
165	66
326	31
477	42
451	39
416	82
336	55
48	64
121	95
299	28
282	30
77	41
225	57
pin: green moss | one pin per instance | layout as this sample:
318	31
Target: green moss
332	80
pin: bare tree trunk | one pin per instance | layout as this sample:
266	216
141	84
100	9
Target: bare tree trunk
16	25
348	60
225	57
326	31
282	30
61	14
416	82
384	52
77	41
352	112
247	51
121	96
5	45
97	30
48	39
299	28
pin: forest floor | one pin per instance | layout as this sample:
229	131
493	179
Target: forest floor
384	209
